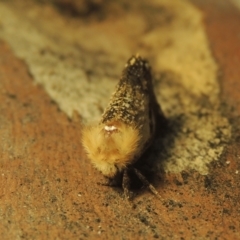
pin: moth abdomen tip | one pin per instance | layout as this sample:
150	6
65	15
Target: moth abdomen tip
136	61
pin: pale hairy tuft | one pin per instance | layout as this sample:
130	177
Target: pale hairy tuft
110	150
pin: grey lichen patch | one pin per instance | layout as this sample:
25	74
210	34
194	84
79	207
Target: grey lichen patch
61	61
78	63
189	92
198	131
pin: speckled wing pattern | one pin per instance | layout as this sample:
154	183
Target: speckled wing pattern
134	101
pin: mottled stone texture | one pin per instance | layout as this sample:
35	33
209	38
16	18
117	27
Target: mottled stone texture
49	190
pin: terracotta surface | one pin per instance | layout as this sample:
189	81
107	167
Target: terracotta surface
48	189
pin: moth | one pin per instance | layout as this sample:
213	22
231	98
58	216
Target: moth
127	127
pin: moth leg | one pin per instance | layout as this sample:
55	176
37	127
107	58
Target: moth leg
126	184
147	183
110	182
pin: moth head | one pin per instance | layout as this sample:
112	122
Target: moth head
110	146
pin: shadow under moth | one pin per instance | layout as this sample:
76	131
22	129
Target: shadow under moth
127	127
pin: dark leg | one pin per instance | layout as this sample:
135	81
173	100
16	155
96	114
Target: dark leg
109	183
126	184
147	183
112	182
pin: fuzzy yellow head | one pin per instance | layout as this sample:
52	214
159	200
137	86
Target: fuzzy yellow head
110	147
